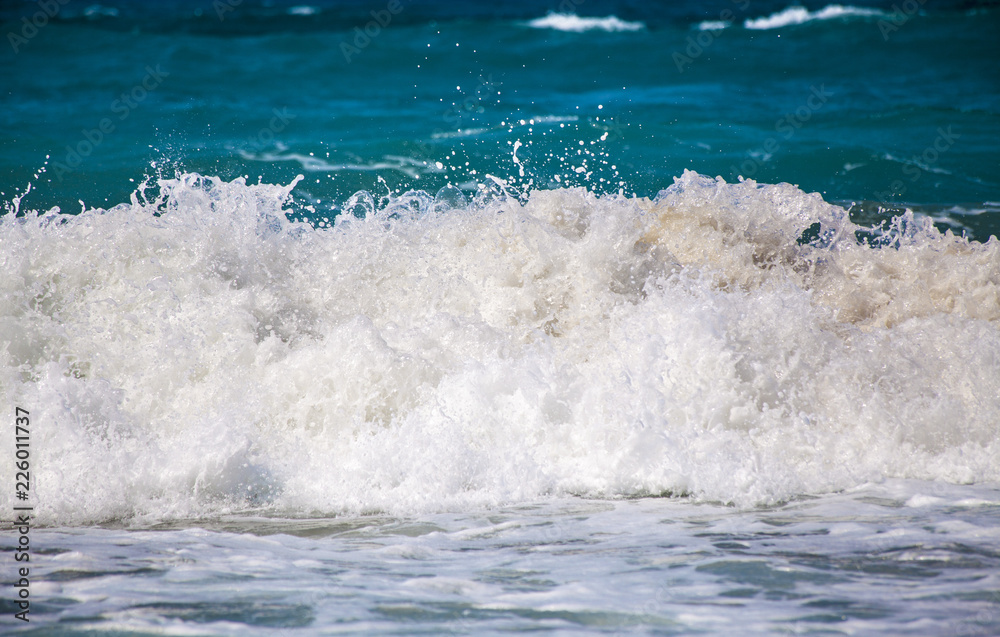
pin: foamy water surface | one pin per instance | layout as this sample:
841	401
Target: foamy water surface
734	343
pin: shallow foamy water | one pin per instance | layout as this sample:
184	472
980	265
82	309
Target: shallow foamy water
899	558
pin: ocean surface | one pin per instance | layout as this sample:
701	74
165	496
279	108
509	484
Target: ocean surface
580	317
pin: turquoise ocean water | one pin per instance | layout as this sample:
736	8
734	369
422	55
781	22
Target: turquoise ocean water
861	103
578	317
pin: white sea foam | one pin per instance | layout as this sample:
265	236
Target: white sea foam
578	24
713	25
409	166
800	15
201	353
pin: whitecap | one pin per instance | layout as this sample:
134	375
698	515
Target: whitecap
577	24
713	25
800	15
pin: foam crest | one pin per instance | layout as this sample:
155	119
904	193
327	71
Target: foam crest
577	24
801	15
199	353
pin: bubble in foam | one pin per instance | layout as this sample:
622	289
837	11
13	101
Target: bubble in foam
450	198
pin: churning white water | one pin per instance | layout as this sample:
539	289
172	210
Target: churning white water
200	353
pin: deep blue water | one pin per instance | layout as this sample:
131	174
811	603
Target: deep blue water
862	103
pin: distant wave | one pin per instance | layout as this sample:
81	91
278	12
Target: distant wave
800	15
919	164
712	25
99	11
409	166
576	24
303	10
